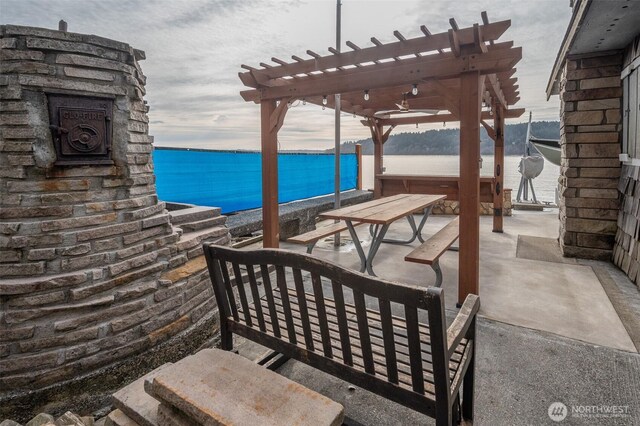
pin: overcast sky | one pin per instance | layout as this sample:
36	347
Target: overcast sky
195	47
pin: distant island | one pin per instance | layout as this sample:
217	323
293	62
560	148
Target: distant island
447	142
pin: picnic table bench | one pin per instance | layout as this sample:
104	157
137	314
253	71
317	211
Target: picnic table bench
367	331
429	252
310	238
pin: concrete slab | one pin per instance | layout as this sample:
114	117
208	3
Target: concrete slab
565	299
218	387
520	373
134	402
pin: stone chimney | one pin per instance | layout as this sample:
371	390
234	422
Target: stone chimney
96	282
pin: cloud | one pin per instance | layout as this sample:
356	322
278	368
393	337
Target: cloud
195	49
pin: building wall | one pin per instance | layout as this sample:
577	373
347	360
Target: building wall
626	255
92	272
591	98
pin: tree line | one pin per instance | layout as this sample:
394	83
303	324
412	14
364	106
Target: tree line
447	141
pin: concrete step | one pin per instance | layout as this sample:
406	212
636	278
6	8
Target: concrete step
118	418
135	403
190	240
203	224
193	214
215	384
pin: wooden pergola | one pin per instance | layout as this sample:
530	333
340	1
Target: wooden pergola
464	74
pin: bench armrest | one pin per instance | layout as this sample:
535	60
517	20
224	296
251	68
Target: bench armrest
460	325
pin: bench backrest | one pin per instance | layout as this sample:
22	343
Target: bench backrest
318	290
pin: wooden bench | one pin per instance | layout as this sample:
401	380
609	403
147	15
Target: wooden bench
310	238
430	251
362	329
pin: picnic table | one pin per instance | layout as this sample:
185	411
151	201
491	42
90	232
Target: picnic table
380	214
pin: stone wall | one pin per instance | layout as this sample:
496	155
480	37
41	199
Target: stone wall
590	140
486	209
92	271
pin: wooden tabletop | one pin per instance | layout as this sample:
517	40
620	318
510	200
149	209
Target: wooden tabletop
384	210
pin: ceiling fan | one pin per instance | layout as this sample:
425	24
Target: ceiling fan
403	108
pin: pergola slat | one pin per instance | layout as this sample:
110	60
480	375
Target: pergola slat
492	31
406	71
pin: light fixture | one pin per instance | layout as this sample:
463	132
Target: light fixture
416	125
304	101
414	90
324	107
366	95
324	100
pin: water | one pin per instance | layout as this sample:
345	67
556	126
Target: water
447	165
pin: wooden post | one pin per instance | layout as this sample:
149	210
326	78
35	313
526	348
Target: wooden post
269	143
377	160
498	171
471	89
359	162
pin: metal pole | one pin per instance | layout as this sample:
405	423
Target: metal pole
336	239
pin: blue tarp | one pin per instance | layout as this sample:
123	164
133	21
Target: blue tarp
233	180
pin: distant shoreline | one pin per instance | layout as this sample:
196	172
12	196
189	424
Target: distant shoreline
301	151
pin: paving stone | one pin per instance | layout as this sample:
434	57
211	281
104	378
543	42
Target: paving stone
134	402
40	420
136	262
215	386
118	418
169	416
87	61
33	284
89	74
8	43
78	222
9	422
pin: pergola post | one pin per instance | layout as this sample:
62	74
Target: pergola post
269	145
498	193
469	256
377	138
359	161
377	167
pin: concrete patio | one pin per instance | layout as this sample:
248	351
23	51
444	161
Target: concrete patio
550	330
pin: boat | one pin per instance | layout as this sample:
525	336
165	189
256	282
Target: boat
548	148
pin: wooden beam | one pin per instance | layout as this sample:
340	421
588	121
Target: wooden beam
498	164
470	113
427	33
495	90
277	117
379	137
385	135
490	132
485	21
454	42
269	145
406	71
450	100
492	31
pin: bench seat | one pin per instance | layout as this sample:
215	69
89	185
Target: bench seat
459	357
310	238
429	252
